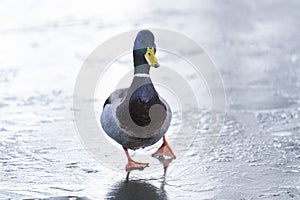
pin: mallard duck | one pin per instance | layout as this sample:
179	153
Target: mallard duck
137	117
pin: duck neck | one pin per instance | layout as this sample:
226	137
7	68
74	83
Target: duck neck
141	65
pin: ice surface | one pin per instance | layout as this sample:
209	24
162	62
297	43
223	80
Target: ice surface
254	44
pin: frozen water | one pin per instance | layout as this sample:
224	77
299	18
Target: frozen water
255	45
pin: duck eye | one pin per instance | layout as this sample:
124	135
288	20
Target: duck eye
149	53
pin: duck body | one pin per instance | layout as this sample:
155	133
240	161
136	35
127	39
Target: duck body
132	130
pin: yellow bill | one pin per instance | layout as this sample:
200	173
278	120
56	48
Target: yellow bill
150	57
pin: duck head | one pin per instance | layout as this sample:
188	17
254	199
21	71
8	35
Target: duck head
144	52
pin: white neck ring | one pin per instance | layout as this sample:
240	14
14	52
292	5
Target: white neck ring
141	75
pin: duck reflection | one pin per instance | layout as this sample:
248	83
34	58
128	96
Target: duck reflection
136	189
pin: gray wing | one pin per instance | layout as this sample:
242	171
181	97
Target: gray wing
107	119
108	116
167	123
117	95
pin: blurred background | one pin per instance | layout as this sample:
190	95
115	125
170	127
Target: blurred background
254	44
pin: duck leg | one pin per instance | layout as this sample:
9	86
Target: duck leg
133	165
164	151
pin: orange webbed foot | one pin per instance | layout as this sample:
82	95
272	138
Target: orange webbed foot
133	165
164	151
